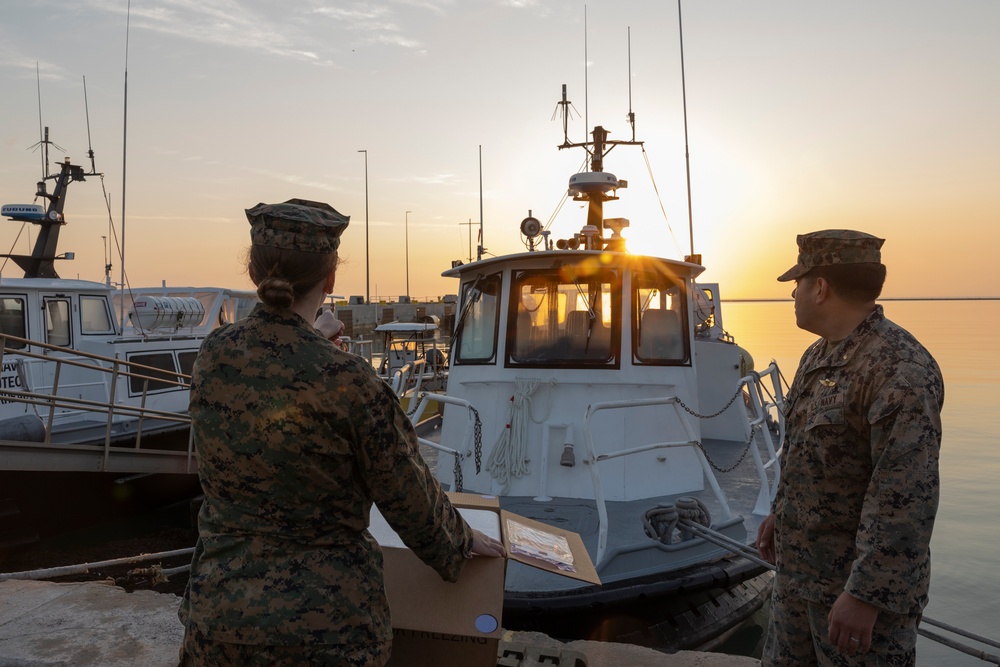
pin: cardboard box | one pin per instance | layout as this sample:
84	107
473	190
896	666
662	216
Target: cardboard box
441	624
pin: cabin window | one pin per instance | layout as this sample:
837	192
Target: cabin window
477	325
94	315
186	360
161	376
57	331
659	319
12	320
564	318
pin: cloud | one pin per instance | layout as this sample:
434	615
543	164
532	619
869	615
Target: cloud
295	30
26	67
432	179
267	27
295	179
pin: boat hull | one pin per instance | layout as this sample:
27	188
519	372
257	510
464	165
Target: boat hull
685	610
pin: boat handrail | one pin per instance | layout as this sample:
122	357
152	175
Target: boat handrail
410	373
473	430
362	347
764	412
182	383
691	440
110	407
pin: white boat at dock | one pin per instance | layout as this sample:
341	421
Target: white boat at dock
413	356
597	390
84	390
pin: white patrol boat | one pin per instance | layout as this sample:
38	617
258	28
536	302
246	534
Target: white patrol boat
84	390
596	390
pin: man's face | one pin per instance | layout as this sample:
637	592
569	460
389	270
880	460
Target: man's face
805	301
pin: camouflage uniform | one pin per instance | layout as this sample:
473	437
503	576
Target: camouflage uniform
858	493
295	440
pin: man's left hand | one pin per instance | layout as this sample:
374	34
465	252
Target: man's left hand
850	624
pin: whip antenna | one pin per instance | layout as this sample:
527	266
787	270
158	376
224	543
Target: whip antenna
631	114
41	135
687	154
128	17
90	145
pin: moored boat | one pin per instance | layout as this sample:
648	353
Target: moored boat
93	380
597	390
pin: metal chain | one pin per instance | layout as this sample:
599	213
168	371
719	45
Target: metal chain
732	467
739	391
458	474
478	447
415	403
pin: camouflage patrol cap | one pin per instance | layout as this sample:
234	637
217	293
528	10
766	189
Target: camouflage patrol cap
833	246
297	224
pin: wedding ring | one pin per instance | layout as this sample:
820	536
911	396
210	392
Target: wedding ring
855	639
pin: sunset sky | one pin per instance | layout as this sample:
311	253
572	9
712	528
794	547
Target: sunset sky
879	115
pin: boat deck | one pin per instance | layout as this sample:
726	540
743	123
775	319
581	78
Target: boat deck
630	552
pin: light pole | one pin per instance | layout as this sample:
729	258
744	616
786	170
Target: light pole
406	241
368	297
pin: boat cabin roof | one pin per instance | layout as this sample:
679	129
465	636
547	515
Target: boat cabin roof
572	257
52	285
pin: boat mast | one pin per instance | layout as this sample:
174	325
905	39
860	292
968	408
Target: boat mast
41	262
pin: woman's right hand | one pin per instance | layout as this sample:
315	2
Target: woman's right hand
485	545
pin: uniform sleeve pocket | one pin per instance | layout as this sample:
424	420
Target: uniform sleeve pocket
889	398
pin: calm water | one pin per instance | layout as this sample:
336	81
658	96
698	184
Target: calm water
964	337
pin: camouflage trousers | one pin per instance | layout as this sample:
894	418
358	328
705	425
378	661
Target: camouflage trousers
797	636
199	650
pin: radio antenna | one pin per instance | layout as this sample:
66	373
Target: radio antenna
128	17
631	114
90	145
687	153
41	135
586	79
43	138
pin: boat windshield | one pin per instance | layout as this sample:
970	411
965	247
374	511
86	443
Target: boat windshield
564	318
477	326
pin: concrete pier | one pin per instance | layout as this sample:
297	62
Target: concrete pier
45	624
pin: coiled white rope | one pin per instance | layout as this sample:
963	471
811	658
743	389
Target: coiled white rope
508	460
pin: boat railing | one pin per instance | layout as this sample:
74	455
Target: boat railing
765	400
361	347
765	403
593	458
408	378
473	432
53	398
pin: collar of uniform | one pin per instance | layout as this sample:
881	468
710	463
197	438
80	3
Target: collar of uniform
843	353
273	315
